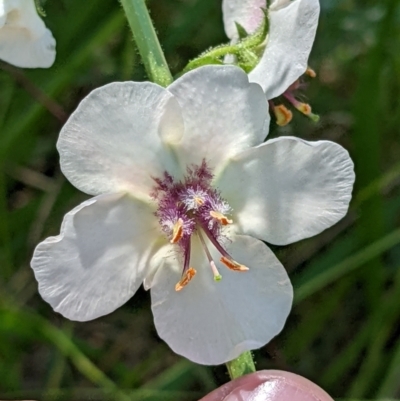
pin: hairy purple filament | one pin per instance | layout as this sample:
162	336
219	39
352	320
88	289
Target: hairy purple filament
191	206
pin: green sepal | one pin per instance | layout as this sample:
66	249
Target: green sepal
199	62
259	36
247	60
241	31
248	50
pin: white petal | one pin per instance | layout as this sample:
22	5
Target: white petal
291	36
288	189
24	39
222	111
99	259
247	13
115	140
212	322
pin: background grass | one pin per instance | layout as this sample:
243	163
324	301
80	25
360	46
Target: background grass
343	332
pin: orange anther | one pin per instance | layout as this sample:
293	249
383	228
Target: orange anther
303	108
311	73
231	264
220	217
177	232
189	274
283	115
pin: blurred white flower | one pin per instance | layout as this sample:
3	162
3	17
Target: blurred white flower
183	188
293	24
24	39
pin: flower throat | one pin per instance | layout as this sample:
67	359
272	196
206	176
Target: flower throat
193	206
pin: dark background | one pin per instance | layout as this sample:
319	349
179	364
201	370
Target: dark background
343	332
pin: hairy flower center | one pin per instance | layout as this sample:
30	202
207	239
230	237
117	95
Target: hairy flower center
193	207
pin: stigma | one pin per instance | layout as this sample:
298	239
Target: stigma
193	207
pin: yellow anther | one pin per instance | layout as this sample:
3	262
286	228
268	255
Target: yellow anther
189	274
220	217
199	200
310	72
283	115
177	232
231	264
306	110
303	108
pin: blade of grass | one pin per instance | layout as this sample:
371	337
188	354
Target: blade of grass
382	327
98	394
176	377
5	238
311	325
82	55
64	344
390	385
367	151
346	266
349	354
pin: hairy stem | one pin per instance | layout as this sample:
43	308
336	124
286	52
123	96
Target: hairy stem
241	366
147	41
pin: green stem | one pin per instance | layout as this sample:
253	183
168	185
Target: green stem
211	57
241	366
147	41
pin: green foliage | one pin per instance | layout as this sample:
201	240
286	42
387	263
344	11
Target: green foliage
343	331
247	50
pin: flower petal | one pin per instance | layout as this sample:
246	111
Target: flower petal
99	259
223	114
24	39
115	140
247	13
291	36
288	189
212	322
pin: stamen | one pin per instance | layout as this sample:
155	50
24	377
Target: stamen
294	86
226	259
310	72
217	276
220	217
233	265
187	276
283	115
214	241
177	232
302	107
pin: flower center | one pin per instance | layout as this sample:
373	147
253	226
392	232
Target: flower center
193	207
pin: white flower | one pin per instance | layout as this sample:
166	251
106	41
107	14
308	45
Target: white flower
293	24
142	150
24	39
